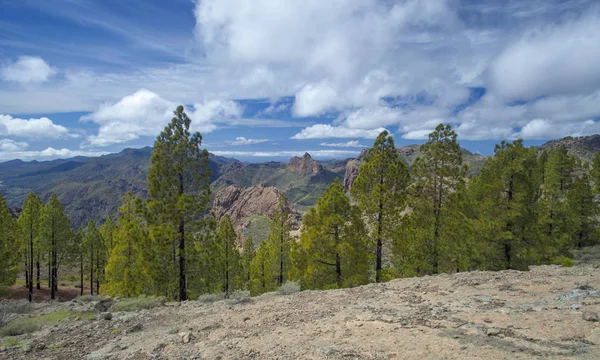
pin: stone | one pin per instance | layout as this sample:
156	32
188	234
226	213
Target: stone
105	316
135	328
493	332
103	305
487	320
184	336
590	316
40	346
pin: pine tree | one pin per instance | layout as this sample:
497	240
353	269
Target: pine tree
327	255
248	253
124	268
262	278
555	222
8	245
437	174
584	211
56	232
29	226
380	191
107	231
94	248
178	184
279	243
228	256
505	196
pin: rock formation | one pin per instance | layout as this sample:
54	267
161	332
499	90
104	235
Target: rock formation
305	165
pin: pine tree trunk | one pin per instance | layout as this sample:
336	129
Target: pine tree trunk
31	265
53	282
81	273
92	272
226	269
97	275
182	285
338	260
49	268
378	254
38	273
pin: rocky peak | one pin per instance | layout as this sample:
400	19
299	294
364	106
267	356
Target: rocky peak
305	165
243	204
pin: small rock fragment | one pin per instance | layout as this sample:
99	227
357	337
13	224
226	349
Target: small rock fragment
184	336
105	316
135	328
487	320
103	305
590	316
493	332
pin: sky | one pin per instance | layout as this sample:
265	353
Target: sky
266	80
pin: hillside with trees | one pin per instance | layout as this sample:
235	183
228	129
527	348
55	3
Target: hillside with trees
524	208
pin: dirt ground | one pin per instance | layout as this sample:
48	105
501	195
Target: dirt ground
20	292
478	315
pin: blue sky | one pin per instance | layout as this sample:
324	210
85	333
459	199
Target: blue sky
266	80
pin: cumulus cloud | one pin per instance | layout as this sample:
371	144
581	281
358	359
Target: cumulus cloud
32	128
240	140
313	153
543	129
145	113
11	145
352	143
27	70
46	154
324	131
553	60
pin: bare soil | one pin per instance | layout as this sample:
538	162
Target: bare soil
477	315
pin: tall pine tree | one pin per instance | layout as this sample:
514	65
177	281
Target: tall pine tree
178	184
29	226
8	245
380	190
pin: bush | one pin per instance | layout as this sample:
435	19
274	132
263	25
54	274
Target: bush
139	303
239	296
89	298
210	298
15	307
11	342
20	327
290	287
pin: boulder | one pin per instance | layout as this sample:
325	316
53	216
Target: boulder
590	316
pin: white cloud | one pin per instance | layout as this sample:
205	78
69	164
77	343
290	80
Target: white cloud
290	153
240	140
145	113
31	128
46	154
11	145
324	131
352	143
553	60
27	70
543	129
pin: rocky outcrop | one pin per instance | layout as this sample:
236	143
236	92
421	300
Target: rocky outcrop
305	165
352	169
243	204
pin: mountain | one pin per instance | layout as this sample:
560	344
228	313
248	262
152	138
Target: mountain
583	147
89	188
302	180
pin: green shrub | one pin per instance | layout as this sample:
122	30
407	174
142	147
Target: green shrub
116	331
210	298
239	296
11	342
173	331
89	298
15	307
19	327
139	303
290	287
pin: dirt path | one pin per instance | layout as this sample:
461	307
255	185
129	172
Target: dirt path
477	315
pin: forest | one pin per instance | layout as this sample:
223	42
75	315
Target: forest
524	208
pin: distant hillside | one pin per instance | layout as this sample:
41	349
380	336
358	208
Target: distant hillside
583	147
91	188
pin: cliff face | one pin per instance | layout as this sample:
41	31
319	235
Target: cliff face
244	204
352	169
305	165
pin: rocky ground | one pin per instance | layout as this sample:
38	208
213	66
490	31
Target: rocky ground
548	312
